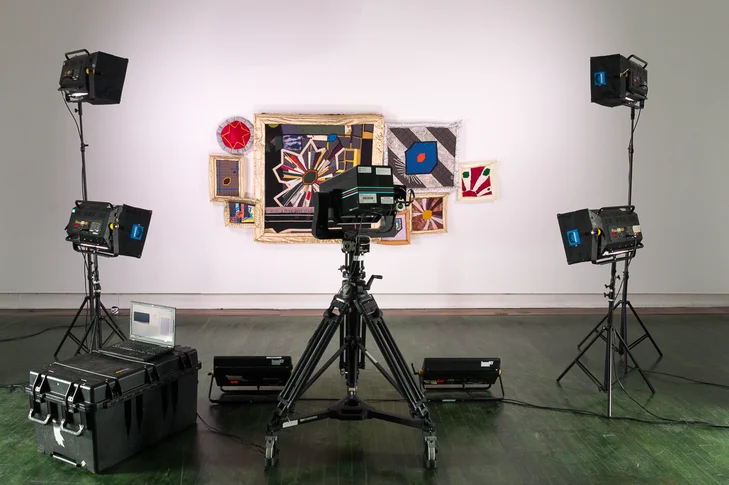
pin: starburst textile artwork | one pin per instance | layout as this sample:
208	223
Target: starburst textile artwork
239	213
429	213
296	153
403	224
423	156
225	177
235	135
477	182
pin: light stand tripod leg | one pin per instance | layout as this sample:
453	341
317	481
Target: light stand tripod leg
89	329
594	330
70	328
637	367
609	356
579	364
112	323
646	333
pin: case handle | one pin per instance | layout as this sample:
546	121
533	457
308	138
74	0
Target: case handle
78	432
39	421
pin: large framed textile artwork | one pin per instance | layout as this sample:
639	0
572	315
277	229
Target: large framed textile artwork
294	153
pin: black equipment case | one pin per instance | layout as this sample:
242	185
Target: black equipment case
94	410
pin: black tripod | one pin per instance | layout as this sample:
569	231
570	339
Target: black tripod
624	302
352	312
614	342
93	296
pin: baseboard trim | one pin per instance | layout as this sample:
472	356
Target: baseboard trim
42	301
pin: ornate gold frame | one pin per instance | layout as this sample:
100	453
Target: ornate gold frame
213	180
259	144
226	212
442	195
408	230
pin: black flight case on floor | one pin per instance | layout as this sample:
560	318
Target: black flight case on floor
93	410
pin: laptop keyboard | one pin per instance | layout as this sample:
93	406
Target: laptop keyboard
141	347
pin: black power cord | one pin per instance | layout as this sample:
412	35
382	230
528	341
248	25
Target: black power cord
238	439
21	337
695	381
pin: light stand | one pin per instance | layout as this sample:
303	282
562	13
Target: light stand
624	302
610	335
622	81
603	236
95	316
96	78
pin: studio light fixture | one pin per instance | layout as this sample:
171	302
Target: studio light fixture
619	81
96	78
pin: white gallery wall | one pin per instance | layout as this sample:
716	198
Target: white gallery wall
516	73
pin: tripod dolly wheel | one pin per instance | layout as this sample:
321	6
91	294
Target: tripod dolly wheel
429	453
271	451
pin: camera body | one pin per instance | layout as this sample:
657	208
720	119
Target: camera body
363	198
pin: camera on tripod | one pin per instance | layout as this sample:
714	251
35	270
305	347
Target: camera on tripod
362	201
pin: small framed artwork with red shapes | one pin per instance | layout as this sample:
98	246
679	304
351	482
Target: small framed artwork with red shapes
476	182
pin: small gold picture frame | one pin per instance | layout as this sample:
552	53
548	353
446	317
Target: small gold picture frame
226	177
240	212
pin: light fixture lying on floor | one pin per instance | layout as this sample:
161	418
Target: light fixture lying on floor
250	378
467	374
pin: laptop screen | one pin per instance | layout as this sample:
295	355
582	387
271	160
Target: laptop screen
152	323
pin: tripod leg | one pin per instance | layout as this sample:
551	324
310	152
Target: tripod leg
372	316
82	343
609	356
300	379
630	354
577	362
409	389
70	328
646	334
594	330
112	323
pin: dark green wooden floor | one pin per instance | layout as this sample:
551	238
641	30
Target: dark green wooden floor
479	443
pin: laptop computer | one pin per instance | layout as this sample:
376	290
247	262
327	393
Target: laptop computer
151	333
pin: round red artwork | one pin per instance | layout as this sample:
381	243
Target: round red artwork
234	135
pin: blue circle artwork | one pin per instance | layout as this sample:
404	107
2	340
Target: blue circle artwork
331	137
421	157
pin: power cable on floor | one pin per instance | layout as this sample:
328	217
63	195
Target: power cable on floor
21	337
696	381
238	439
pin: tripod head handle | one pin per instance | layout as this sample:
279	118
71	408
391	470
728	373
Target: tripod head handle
372	278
